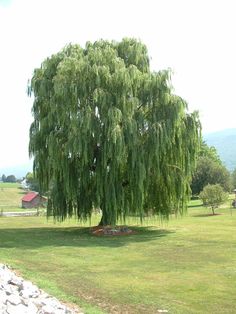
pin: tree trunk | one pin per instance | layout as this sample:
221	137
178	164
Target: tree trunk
106	219
213	211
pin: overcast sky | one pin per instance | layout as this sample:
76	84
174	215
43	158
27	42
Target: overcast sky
196	39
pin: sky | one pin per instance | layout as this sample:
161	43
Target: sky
195	38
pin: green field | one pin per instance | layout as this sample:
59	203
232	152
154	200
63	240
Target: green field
9	185
185	266
10	196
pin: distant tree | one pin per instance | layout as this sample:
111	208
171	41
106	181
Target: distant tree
209	152
233	179
32	182
11	178
212	196
209	172
4	178
109	133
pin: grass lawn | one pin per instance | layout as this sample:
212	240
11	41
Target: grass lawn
9	185
10	197
185	266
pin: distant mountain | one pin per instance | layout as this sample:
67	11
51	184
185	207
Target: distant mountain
225	143
18	171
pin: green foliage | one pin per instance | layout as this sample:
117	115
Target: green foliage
209	152
209	171
225	143
4	178
108	133
11	178
233	179
32	182
212	196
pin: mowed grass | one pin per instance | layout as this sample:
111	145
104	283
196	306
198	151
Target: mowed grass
10	196
9	185
185	266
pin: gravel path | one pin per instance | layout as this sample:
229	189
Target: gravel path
16	214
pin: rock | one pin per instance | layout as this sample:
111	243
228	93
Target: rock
18	296
29	290
14	299
48	309
8	289
16	281
32	308
5	276
3	308
3	297
54	303
19	309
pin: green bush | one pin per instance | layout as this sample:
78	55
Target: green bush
212	196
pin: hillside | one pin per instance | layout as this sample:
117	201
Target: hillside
225	143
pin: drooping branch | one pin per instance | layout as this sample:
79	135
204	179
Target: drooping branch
108	133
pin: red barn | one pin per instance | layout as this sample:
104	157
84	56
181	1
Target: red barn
32	200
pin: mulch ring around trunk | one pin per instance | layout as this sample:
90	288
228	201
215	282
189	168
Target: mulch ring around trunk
111	230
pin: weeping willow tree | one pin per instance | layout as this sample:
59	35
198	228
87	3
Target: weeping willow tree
109	133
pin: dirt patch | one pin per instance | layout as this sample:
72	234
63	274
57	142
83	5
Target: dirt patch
111	231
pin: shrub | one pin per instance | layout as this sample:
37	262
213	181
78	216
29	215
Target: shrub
212	196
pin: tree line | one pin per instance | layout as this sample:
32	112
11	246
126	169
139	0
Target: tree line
10	178
210	170
211	181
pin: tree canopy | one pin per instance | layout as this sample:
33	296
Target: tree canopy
209	152
32	182
233	179
10	178
109	133
212	196
4	178
209	170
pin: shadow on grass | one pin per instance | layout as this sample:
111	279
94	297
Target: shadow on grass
194	206
33	238
206	215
